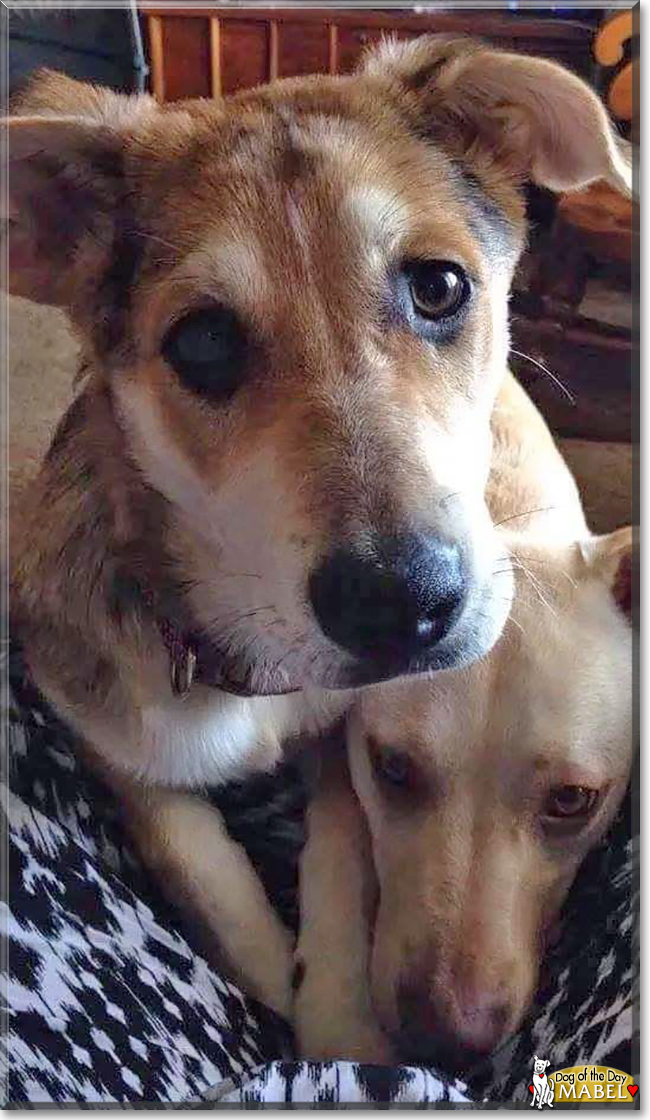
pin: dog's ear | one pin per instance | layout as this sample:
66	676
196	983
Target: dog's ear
528	116
615	559
65	179
51	94
64	184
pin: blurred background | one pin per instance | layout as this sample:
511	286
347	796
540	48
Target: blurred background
573	307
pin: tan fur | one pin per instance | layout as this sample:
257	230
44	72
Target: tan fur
293	205
470	886
186	845
333	1014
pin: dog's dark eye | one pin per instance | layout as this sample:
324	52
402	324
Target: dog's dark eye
570	802
438	289
206	349
392	767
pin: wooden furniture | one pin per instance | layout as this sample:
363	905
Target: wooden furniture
598	221
591	246
207	52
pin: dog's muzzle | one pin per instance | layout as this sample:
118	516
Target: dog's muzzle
390	607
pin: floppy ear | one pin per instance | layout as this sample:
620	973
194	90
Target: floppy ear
66	184
528	115
615	559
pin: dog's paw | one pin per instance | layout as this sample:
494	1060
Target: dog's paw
335	1022
265	971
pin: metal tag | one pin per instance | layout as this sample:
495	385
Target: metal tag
182	665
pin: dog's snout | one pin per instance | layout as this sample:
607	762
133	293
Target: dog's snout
458	1031
480	1019
391	605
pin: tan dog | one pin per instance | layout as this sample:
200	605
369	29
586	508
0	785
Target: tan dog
483	790
293	308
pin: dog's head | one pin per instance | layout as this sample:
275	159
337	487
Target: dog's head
296	300
484	789
539	1065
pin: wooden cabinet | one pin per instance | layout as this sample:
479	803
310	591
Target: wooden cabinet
212	51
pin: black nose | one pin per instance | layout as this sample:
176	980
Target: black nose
391	605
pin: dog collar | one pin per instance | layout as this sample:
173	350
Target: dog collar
183	657
192	656
182	650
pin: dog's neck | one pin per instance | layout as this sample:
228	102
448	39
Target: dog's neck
114	540
530	491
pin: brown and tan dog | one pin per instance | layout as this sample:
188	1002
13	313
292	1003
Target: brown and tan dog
293	309
483	789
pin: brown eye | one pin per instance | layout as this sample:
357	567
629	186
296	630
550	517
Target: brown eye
438	289
393	767
570	802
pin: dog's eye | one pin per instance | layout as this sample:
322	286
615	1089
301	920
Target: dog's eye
392	767
206	349
570	802
438	289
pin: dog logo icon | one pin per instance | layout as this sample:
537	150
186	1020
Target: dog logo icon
542	1088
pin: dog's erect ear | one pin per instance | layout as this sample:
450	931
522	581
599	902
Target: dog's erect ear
527	115
65	176
615	559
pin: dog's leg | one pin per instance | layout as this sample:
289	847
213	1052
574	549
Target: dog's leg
183	839
333	1015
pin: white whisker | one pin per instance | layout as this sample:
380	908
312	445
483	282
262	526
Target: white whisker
540	365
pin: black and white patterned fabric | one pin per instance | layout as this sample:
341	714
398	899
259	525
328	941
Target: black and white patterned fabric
109	1002
328	1084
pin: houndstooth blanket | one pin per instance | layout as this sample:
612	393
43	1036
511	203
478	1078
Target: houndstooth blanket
109	1002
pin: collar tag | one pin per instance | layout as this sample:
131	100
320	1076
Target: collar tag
182	666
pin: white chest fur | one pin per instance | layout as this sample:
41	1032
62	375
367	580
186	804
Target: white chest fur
212	737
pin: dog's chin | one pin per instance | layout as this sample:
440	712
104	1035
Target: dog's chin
239	679
254	681
351	674
472	636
